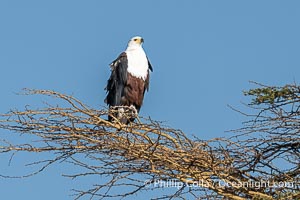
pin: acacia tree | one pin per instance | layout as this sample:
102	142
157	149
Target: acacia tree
260	161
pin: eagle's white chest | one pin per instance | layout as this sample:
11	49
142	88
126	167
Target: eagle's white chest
137	63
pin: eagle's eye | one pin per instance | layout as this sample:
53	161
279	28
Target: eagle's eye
135	39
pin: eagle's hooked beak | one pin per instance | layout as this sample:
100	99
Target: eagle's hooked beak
137	40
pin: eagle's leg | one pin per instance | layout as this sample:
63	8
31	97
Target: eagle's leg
122	115
134	113
134	110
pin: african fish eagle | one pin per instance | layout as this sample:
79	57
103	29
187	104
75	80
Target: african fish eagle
128	81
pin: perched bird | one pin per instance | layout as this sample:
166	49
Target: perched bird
128	82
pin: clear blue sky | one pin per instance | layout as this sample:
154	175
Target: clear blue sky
203	54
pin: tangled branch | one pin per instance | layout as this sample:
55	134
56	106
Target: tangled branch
147	155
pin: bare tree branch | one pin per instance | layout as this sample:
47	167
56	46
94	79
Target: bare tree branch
148	155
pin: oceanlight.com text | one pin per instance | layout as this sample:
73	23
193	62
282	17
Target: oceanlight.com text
173	183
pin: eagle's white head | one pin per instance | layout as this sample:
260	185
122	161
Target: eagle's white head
135	42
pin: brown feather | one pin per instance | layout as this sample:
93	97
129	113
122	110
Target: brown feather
134	91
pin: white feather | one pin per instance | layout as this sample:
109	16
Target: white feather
137	60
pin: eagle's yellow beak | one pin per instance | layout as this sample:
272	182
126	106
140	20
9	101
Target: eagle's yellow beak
139	40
